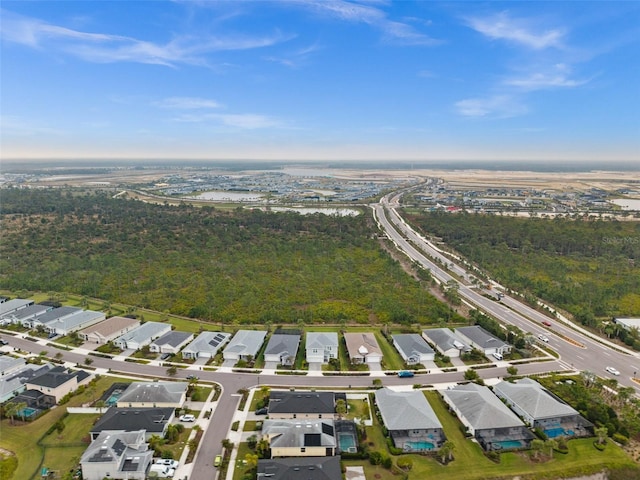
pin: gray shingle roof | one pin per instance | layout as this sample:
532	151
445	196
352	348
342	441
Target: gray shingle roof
279	344
27	312
144	332
532	398
11	305
300	433
153	392
481	337
75	321
445	339
302	402
412	344
57	313
246	342
54	378
481	408
152	420
207	342
321	339
405	410
173	338
300	468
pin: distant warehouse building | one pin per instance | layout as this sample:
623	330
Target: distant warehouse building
627	323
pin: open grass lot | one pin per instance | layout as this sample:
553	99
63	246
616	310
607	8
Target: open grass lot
391	358
22	438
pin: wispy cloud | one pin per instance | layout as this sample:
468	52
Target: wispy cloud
18	126
393	31
247	121
186	103
496	106
502	26
296	58
108	48
556	77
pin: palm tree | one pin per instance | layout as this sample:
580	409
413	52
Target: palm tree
551	444
536	446
601	433
10	410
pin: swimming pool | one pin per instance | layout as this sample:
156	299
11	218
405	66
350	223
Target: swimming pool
417	446
113	399
506	444
347	443
559	432
27	412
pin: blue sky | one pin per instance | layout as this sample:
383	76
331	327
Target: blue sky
321	79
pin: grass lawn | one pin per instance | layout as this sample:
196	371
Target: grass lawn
258	396
179	445
391	358
357	409
239	470
251	425
22	438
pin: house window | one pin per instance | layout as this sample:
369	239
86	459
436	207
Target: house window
302	449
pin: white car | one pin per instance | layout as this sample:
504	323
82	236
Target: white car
612	371
167	462
187	418
544	338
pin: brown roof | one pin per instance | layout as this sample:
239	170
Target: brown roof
356	340
110	326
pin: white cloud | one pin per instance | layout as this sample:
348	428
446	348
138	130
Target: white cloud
556	77
503	27
496	106
247	121
107	48
186	103
393	31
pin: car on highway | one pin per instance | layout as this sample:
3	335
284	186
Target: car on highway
262	411
612	371
187	418
167	462
546	323
3	342
218	461
405	374
543	338
192	377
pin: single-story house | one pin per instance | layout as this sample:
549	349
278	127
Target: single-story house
286	404
447	342
12	306
413	348
24	314
153	421
300	438
58	381
73	323
363	347
142	335
153	394
50	316
205	345
108	330
171	342
539	408
486	418
411	422
309	468
244	344
282	348
479	338
14	383
321	346
123	455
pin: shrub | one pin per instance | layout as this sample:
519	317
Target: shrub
405	463
387	462
619	438
493	456
375	458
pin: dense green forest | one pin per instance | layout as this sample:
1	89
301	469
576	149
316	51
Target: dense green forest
588	267
240	266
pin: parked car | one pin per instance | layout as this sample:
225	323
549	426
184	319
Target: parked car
218	461
162	471
167	462
544	338
164	356
612	371
187	418
497	356
262	411
192	377
405	374
3	342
